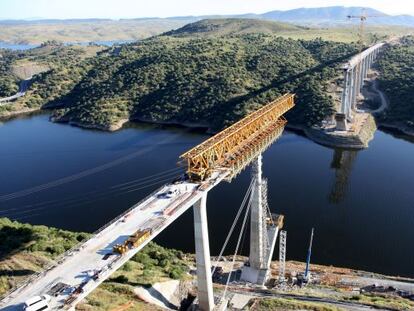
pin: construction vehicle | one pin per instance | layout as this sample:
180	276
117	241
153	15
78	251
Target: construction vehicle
78	290
37	303
138	238
57	289
120	248
133	241
171	191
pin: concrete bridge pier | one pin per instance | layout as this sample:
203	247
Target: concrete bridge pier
257	221
262	236
203	263
355	73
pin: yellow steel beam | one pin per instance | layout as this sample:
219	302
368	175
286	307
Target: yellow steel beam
275	106
229	146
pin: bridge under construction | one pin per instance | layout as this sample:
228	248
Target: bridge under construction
355	72
80	270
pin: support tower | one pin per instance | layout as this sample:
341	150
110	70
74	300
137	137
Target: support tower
264	228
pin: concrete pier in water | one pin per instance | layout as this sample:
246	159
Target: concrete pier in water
355	72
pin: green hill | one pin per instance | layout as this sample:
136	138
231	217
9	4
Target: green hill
208	81
397	81
232	26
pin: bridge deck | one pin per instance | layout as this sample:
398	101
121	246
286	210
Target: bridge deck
79	266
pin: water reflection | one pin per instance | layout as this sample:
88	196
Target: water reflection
342	163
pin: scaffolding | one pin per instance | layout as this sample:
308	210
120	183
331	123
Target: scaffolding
282	255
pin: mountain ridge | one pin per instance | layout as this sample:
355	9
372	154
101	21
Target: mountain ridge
232	26
318	16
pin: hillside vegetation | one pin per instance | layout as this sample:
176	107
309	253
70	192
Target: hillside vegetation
207	81
347	33
397	81
232	26
56	68
26	249
8	81
36	32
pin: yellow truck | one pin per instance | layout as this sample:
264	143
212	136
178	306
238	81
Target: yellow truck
138	238
133	241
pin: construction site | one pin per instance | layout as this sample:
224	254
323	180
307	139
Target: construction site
353	125
222	282
219	158
229	280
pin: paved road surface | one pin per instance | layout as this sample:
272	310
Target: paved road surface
22	91
383	99
81	265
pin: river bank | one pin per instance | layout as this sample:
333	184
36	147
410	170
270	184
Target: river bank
398	128
317	135
329	285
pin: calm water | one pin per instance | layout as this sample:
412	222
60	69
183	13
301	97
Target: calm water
360	203
17	47
22	47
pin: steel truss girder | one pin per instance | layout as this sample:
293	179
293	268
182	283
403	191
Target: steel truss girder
234	146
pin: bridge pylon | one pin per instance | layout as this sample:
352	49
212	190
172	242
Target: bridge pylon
264	228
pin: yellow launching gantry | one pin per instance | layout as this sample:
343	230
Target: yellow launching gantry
234	147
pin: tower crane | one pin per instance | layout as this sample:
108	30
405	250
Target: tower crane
363	18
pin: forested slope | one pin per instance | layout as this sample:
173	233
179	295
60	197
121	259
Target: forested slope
232	26
397	81
208	81
26	249
8	81
59	68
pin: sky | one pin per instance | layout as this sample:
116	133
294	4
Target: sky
63	9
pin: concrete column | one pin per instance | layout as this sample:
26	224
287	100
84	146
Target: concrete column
361	75
348	95
340	118
204	281
256	256
357	72
369	62
353	88
345	92
364	70
351	93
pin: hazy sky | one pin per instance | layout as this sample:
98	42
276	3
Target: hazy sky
16	9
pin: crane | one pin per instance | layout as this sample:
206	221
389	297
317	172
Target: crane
363	18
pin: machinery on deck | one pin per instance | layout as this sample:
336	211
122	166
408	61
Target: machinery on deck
133	241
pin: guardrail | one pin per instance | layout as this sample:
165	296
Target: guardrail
58	260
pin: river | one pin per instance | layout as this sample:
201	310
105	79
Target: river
22	47
360	203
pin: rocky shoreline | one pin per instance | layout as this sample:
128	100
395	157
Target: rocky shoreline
9	115
358	140
353	140
398	128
